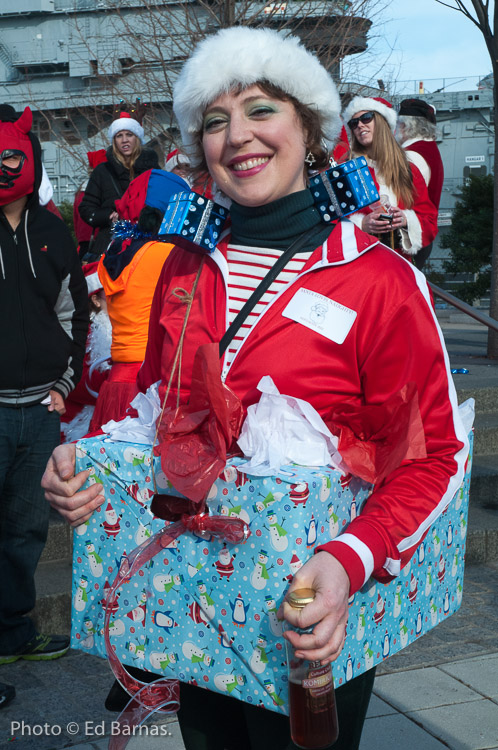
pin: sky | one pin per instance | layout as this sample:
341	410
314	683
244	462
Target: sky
423	40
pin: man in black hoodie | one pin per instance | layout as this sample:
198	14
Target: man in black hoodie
44	323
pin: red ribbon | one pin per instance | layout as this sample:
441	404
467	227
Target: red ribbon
162	695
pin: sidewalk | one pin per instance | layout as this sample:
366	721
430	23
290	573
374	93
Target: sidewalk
439	692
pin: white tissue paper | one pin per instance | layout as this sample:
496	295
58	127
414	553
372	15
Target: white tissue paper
280	430
467	412
142	428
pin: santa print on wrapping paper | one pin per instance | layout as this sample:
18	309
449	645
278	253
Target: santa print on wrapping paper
112	523
15	144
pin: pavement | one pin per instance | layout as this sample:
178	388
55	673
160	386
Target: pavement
439	692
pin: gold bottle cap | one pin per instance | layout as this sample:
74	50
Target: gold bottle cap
301	597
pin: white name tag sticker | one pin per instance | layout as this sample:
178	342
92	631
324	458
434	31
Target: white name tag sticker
321	314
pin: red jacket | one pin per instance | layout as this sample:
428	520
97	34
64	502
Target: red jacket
421	217
393	340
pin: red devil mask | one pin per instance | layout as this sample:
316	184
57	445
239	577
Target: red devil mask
17	169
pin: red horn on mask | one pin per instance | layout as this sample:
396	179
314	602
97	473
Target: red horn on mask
25	121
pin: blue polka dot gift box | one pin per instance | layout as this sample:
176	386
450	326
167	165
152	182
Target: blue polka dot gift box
193	221
343	189
205	611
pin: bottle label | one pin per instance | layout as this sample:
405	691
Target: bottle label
319	680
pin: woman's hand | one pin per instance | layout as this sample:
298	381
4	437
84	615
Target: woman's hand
114	216
373	225
57	403
61	487
329	612
399	218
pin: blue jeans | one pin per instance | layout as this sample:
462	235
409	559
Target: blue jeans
28	436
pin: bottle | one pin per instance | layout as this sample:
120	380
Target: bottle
312	707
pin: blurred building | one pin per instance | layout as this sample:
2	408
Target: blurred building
74	61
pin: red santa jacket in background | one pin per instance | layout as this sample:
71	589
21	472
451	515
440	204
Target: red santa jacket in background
390	341
426	157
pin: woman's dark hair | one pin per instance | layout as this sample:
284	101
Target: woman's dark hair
310	121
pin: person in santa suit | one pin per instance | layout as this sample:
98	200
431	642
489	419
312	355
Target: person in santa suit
80	403
255	110
405	218
416	132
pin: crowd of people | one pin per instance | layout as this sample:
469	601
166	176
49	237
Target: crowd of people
258	114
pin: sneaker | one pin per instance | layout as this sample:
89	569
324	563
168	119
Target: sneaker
7	693
40	648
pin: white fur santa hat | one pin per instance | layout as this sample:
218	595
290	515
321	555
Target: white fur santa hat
370	104
242	56
125	122
176	159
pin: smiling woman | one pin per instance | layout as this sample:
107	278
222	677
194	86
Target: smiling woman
255	108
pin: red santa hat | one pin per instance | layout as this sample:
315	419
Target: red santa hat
126	122
96	157
174	159
92	278
370	104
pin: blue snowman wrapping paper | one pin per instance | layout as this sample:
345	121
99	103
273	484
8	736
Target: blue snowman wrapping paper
204	611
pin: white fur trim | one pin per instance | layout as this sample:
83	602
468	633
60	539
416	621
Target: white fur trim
243	56
93	283
415	158
411	237
369	104
125	123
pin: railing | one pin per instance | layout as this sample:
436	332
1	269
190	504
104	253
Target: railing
464	307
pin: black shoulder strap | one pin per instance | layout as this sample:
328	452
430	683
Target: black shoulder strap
113	176
264	285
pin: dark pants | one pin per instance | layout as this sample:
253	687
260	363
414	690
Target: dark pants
28	436
422	256
210	721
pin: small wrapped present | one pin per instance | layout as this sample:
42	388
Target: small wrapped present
193	221
343	189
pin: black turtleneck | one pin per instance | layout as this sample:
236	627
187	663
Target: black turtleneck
277	224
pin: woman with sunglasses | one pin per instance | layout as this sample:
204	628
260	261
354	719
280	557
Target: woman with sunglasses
405	218
254	109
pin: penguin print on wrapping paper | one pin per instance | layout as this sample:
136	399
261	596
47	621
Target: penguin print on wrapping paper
386	647
449	535
311	532
164	621
94	559
446	603
349	668
278	535
239	611
260	576
421	554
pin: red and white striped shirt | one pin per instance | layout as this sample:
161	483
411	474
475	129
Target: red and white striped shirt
247	266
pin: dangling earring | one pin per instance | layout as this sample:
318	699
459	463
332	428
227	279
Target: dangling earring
310	159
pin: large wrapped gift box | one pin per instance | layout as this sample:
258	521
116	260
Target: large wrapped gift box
204	611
